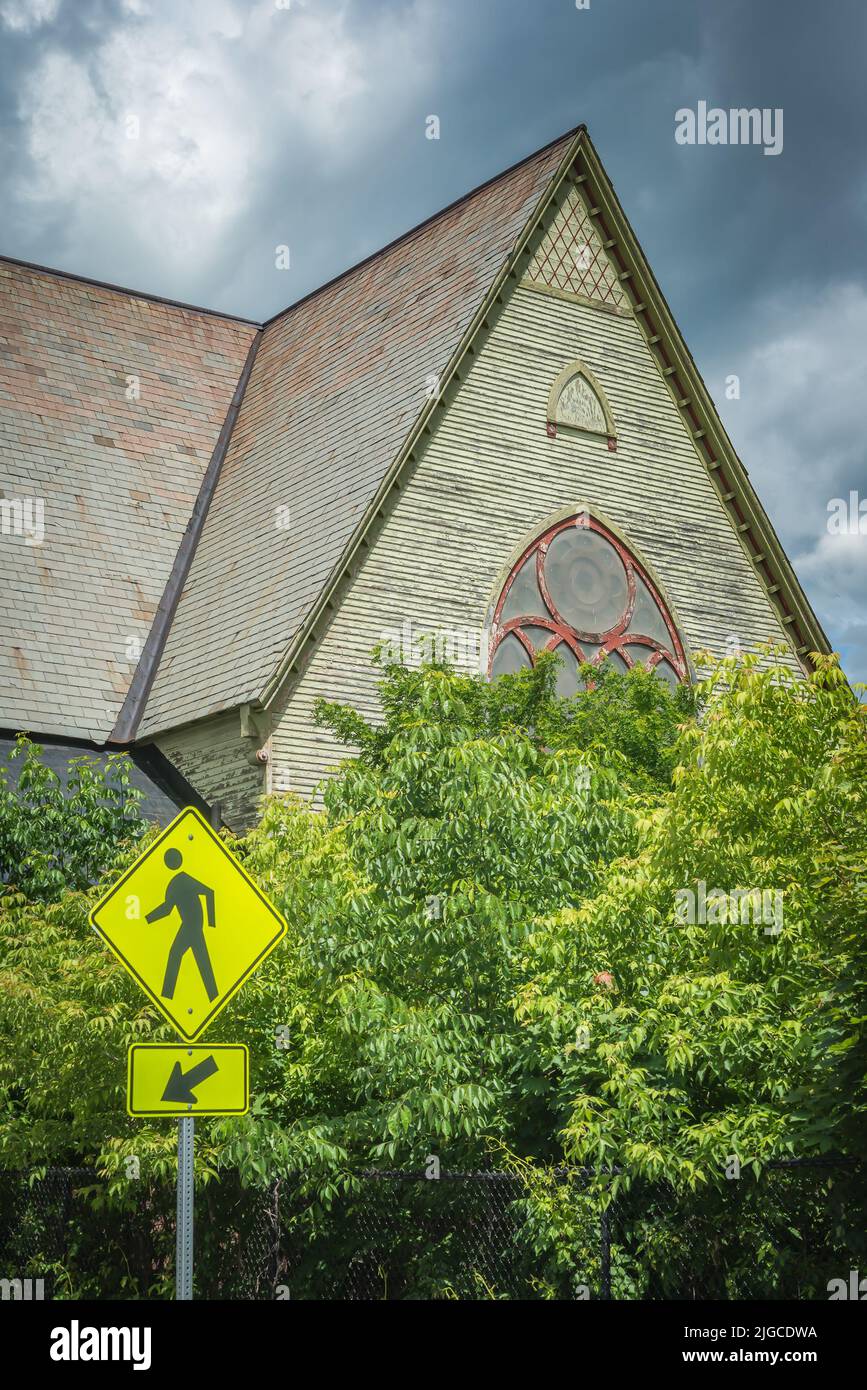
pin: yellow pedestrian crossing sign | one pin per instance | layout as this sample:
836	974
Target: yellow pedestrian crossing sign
188	923
173	1079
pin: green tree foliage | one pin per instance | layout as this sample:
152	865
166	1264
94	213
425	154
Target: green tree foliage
742	1034
53	839
487	950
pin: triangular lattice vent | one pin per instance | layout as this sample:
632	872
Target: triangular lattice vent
570	257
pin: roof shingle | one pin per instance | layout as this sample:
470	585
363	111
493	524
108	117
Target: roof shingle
110	404
337	384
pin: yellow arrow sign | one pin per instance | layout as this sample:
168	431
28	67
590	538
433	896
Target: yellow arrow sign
169	1079
188	923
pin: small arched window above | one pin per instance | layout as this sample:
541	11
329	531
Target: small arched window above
577	401
577	590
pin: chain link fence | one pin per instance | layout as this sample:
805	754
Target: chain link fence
64	1229
528	1234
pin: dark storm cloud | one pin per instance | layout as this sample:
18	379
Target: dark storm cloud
263	125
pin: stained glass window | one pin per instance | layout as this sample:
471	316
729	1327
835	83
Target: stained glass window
578	591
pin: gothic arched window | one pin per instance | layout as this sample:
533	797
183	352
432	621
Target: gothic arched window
577	400
578	591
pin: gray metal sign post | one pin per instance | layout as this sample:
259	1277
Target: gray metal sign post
186	1134
184	1234
186	1139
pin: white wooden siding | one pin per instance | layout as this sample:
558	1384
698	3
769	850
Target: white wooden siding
490	476
215	759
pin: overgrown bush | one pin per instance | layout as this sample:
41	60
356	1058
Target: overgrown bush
54	838
487	947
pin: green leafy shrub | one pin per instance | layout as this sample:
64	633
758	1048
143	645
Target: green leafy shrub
53	839
487	947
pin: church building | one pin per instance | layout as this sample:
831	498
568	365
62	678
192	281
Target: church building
492	429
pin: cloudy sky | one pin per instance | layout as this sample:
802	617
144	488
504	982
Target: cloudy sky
171	147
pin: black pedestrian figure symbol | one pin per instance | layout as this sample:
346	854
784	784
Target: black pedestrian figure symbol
184	894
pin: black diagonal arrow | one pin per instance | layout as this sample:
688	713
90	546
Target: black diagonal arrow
181	1084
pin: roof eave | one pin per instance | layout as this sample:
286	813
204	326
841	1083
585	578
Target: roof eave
709	436
343	570
53	273
133	708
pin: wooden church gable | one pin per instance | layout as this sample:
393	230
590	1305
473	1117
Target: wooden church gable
559	452
577	249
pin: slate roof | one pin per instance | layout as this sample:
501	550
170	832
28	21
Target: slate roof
338	381
117	479
209	517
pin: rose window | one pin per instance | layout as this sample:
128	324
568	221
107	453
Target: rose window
578	591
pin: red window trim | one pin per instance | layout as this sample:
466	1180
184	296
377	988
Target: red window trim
615	638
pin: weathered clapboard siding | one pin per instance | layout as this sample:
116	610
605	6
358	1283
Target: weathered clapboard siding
490	476
215	759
